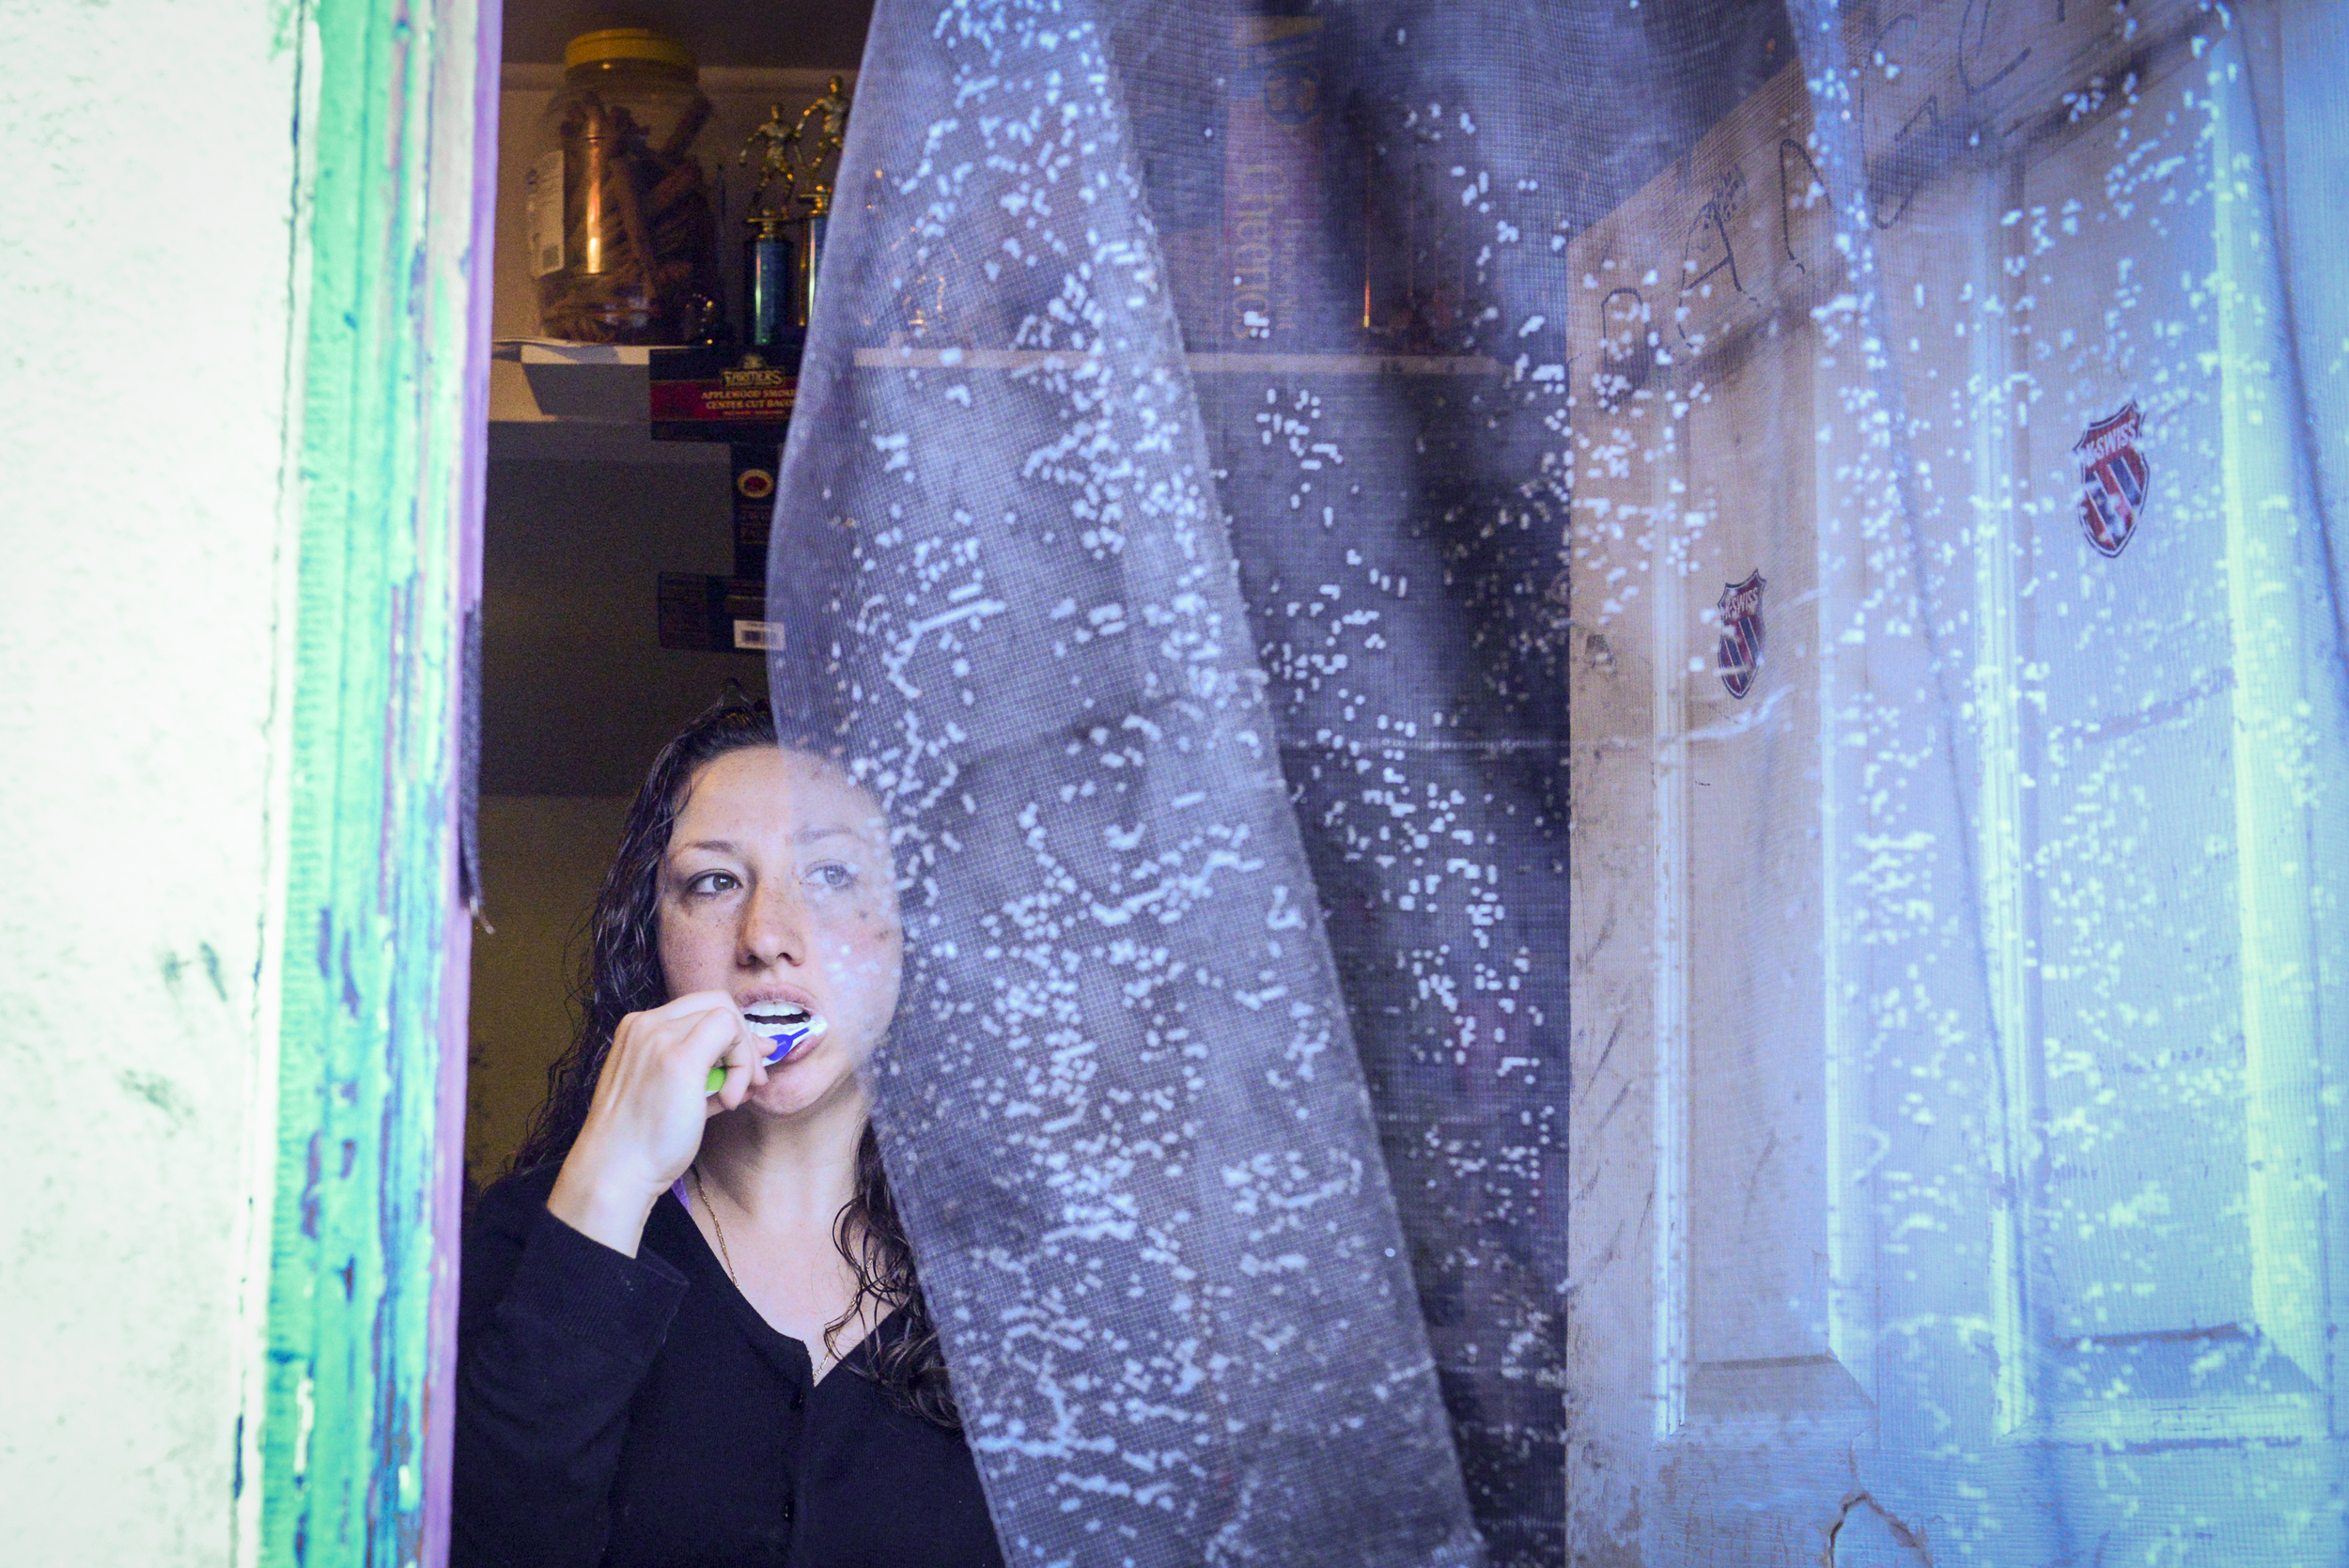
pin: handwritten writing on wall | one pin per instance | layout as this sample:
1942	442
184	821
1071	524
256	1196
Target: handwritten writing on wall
1935	87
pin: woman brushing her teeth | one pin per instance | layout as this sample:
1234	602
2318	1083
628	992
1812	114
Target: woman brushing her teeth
690	1328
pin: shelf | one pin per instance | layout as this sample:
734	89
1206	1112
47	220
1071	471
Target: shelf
589	402
1201	363
581	402
552	350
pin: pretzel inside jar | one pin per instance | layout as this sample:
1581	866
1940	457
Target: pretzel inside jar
623	228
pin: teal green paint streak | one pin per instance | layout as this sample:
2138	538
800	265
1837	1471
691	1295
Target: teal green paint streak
369	957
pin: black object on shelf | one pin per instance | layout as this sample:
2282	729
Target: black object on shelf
701	613
754	467
742	396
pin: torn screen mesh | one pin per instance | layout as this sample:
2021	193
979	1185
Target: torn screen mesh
1238	450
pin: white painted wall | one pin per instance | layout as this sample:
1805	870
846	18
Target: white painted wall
146	285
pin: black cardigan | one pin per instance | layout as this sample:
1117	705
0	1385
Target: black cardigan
639	1413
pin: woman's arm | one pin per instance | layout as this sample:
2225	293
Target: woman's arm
650	1105
555	1334
560	1314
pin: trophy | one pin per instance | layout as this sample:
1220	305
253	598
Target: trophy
788	209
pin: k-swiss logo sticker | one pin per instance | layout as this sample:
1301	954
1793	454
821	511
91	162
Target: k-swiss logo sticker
2113	480
1741	633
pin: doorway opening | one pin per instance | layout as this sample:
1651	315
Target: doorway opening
586	517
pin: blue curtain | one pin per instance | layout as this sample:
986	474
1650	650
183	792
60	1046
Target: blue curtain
1617	733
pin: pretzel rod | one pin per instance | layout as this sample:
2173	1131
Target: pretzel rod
696	116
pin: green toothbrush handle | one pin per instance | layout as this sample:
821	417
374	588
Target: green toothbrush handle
785	1044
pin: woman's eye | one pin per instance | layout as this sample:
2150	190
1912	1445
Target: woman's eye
714	881
831	873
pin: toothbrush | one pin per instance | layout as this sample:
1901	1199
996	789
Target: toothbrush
786	1025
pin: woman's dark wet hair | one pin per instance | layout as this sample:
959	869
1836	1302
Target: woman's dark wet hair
621	975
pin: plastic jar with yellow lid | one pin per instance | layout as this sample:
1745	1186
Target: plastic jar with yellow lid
622	228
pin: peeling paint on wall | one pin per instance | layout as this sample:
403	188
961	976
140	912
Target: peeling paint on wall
361	1304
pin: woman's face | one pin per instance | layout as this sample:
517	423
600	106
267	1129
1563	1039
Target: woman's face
777	887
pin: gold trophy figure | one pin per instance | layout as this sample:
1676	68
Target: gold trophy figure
802	157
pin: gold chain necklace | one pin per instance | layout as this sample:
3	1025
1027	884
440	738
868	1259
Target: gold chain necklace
702	1191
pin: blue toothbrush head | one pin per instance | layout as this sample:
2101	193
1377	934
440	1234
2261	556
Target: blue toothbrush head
786	1041
785	1026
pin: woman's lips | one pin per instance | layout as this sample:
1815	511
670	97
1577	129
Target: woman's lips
768	997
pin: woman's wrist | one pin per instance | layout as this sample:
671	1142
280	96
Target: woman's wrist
600	1204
